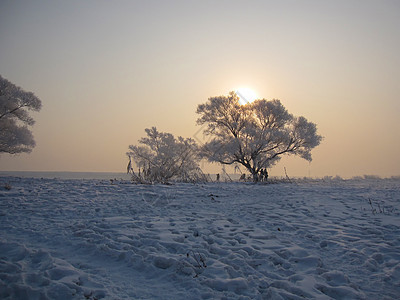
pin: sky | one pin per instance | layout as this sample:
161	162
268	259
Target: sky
106	70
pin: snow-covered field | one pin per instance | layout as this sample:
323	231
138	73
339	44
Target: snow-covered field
90	239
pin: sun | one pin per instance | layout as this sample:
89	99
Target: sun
246	95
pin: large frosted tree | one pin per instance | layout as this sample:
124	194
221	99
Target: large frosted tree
15	104
254	135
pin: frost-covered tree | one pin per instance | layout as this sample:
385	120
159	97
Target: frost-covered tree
162	157
15	136
254	135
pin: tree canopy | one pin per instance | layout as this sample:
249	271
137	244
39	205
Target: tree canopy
162	157
15	104
254	135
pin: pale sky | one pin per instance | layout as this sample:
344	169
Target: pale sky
106	70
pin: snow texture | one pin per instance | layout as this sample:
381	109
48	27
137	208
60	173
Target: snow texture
90	239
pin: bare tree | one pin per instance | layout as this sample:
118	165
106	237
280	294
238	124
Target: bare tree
15	136
254	135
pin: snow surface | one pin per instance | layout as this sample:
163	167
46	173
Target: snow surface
93	239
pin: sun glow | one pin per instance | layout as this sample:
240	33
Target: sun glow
246	95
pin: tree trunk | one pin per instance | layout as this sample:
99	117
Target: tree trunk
255	177
254	173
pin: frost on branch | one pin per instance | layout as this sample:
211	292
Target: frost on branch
15	136
254	135
161	157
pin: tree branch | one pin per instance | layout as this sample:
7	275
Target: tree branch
13	110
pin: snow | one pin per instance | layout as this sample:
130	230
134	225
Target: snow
93	239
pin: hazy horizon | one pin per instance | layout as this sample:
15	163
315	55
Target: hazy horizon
105	71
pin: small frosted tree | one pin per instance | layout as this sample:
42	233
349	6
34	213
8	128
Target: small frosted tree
162	157
254	135
15	136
